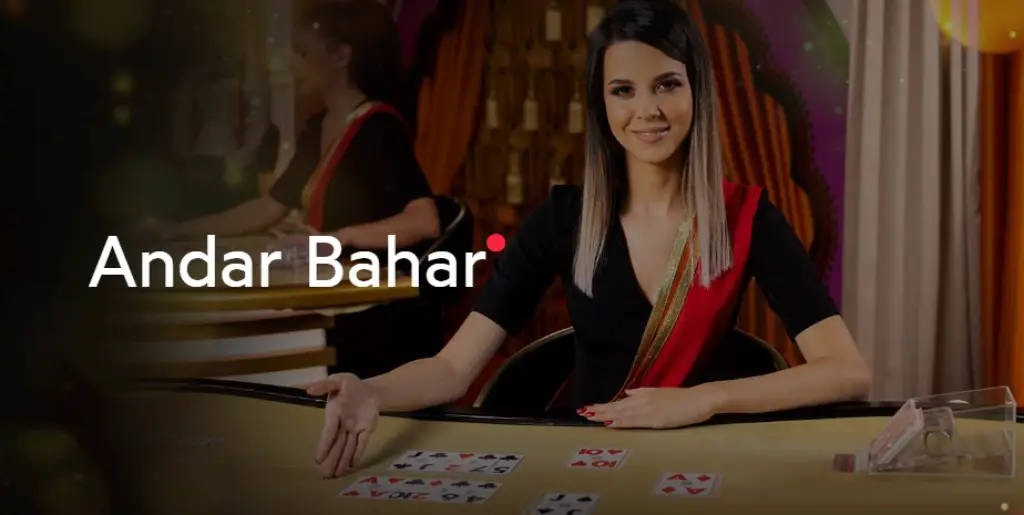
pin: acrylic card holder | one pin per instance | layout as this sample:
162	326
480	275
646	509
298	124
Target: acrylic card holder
969	433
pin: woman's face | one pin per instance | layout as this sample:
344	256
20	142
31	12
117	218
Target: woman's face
314	64
648	100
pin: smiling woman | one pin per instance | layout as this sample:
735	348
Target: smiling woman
655	251
671	103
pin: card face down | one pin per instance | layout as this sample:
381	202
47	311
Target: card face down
418	489
597	458
457	462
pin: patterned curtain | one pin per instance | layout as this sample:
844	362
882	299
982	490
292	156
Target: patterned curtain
766	142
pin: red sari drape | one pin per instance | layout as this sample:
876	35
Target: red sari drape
688	317
314	192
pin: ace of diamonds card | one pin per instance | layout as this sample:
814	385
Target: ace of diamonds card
687	484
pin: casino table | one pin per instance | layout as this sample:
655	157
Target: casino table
217	447
268	334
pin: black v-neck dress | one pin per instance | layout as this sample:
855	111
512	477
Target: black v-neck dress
377	176
610	325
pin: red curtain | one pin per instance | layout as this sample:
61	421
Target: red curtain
449	100
1002	220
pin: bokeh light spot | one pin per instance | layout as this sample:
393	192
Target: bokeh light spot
122	115
123	83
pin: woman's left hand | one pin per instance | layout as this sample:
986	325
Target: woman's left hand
342	237
657	408
293	232
287	241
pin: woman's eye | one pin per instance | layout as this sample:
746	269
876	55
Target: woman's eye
621	90
669	85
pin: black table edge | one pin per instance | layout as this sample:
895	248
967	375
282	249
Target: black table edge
468	414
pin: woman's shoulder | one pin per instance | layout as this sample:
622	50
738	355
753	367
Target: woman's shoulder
736	192
379	127
380	115
566	195
746	202
751	206
564	203
557	215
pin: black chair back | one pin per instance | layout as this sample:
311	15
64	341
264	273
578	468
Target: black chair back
529	380
738	355
457	232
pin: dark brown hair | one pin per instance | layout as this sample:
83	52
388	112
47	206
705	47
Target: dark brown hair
368	28
666	26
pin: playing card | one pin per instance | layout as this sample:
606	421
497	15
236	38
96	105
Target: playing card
850	462
405	488
564	503
687	484
903	426
293	256
457	462
597	458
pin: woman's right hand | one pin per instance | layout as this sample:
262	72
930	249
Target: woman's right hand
349	419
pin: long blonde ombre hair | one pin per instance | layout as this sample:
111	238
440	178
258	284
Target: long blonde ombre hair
665	26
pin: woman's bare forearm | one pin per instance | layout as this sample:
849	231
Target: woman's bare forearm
417	222
810	384
420	384
443	378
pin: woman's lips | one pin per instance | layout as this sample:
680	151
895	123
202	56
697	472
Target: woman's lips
651	135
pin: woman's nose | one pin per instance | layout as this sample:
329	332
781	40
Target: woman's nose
647	106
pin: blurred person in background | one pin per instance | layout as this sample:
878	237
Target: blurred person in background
354	176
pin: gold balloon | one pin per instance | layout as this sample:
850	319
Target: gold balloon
999	25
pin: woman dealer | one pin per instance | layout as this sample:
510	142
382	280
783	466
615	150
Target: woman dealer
355	177
655	251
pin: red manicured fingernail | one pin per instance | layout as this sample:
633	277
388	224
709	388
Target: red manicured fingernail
588	414
607	422
581	410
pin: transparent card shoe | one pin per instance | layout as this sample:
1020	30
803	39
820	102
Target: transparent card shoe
970	433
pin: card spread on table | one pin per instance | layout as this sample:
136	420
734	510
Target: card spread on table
687	484
403	488
565	503
457	462
597	458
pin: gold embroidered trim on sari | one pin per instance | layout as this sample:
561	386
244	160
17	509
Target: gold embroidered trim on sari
318	172
676	286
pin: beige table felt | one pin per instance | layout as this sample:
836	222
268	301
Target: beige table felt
253	456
